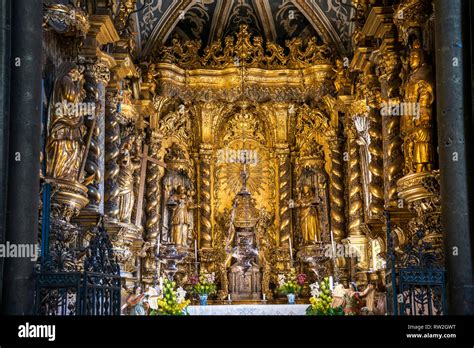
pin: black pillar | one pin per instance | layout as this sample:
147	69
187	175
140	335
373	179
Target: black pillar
4	117
24	151
453	110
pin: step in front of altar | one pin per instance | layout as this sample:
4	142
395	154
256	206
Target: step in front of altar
249	309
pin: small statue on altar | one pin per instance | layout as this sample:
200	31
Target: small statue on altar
338	294
65	144
352	300
181	221
135	302
309	222
417	129
369	295
125	180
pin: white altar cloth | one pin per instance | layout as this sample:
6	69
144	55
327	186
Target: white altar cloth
249	309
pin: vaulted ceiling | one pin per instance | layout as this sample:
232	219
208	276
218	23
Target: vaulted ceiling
274	20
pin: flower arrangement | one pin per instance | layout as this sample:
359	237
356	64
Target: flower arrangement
321	300
291	284
204	284
173	301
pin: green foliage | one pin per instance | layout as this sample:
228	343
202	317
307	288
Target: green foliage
321	305
206	285
289	285
170	304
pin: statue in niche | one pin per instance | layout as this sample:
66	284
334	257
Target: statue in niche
310	225
177	194
125	180
65	145
181	220
417	129
312	194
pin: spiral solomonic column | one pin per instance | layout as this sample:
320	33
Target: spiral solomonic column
153	196
354	184
336	193
205	197
284	194
154	174
112	145
97	75
390	82
376	185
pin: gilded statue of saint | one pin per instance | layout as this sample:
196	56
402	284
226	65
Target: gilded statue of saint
417	129
125	180
308	215
65	144
181	221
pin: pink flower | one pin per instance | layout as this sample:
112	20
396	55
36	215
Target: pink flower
194	279
301	278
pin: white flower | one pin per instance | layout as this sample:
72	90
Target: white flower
180	294
210	277
314	290
281	279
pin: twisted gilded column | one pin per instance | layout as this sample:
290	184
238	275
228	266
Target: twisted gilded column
205	197
152	209
284	194
376	186
390	67
153	196
94	74
336	192
369	89
354	183
112	146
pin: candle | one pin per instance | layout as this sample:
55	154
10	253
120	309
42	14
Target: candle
333	245
331	283
264	297
161	283
291	249
228	298
196	250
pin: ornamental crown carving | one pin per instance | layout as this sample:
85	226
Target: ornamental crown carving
243	50
176	159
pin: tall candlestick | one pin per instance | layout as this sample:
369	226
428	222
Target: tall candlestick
291	249
333	246
196	250
331	283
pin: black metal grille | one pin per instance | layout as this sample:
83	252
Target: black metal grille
95	290
422	291
416	281
75	293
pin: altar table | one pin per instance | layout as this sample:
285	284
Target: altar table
249	309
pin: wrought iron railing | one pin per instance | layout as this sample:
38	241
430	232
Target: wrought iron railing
77	293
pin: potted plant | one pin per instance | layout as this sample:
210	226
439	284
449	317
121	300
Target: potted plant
291	285
321	300
203	286
172	302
